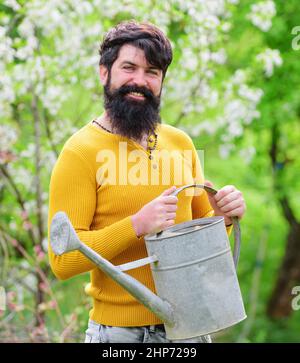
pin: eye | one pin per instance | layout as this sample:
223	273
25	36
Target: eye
129	68
153	71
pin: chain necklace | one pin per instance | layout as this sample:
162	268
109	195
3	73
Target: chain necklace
104	128
151	143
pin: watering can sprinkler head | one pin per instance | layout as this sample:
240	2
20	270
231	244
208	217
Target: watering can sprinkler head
62	235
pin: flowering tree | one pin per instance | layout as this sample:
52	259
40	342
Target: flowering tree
270	142
49	88
280	118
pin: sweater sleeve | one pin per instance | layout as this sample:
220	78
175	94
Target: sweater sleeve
73	190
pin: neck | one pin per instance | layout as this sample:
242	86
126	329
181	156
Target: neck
105	121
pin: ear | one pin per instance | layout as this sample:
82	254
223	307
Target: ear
103	71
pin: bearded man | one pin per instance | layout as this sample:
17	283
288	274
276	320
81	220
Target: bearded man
113	200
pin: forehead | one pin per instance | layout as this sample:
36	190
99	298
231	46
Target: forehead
132	54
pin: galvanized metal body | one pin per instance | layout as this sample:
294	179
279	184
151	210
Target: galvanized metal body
195	273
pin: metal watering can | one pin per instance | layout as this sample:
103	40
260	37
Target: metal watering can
192	267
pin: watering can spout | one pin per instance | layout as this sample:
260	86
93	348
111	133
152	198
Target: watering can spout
63	239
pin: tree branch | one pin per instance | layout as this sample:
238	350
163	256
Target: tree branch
283	199
49	135
37	136
18	196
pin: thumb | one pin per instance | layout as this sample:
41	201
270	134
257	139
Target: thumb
211	197
208	183
169	191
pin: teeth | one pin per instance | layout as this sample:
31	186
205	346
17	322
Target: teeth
137	94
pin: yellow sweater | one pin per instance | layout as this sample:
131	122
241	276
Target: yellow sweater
100	184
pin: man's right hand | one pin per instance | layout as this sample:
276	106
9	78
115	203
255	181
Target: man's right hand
157	215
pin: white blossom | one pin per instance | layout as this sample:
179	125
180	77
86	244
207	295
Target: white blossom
219	57
30	280
23	176
225	27
205	126
45	244
30	205
189	60
225	150
253	95
8	136
270	58
53	97
24	264
26	28
29	152
247	154
6	50
205	56
262	13
235	112
239	77
235	129
213	98
83	7
13	4
12	224
211	22
6	87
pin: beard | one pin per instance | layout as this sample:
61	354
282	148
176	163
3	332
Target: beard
129	117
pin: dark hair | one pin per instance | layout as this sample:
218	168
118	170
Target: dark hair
146	36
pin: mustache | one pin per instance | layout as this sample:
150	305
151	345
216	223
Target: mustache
124	90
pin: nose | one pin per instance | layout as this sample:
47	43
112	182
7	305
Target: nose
139	79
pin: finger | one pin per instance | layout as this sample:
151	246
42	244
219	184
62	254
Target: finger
170	216
169	191
170	199
236	195
171	208
238	212
167	224
208	183
210	193
223	192
237	203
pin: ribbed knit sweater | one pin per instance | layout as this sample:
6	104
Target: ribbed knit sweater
100	204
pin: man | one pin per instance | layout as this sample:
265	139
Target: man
111	200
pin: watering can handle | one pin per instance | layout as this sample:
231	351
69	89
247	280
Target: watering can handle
235	221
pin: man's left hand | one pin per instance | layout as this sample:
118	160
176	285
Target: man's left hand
228	202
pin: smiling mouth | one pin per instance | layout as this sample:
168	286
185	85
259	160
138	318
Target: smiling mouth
136	95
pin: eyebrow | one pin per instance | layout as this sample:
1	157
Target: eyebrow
133	64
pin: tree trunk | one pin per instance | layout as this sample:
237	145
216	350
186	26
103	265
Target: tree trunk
280	303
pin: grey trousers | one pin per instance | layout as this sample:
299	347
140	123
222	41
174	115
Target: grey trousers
98	333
